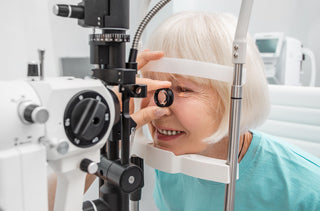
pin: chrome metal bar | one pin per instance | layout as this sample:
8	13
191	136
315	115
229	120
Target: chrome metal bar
41	62
134	206
239	58
234	134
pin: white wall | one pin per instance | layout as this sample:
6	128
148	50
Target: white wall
163	14
296	18
25	27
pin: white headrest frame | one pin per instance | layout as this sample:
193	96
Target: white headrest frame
192	68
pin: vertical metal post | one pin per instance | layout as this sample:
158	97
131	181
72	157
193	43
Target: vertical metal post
134	206
234	134
239	58
41	62
125	144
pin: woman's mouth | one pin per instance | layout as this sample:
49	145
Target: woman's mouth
168	135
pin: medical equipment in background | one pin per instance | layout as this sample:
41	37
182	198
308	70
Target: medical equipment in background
283	57
64	121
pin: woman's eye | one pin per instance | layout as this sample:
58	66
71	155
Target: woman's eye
183	89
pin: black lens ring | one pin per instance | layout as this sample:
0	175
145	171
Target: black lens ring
169	97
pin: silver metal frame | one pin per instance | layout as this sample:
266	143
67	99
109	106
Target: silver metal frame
239	59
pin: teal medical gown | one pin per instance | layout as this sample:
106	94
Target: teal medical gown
272	176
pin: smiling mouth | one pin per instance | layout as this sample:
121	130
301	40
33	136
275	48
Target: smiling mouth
169	132
168	135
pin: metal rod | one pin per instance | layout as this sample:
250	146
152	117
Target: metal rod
41	62
239	58
125	130
125	144
134	206
234	136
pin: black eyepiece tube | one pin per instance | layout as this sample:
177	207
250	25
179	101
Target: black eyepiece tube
71	11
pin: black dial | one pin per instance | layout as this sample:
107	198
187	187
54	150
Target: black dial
86	119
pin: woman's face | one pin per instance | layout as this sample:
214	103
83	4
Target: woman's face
194	116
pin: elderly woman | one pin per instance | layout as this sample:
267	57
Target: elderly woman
272	174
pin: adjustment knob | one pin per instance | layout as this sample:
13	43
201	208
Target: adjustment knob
33	69
86	119
33	113
128	178
89	166
71	11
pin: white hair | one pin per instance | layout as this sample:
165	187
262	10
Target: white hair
209	37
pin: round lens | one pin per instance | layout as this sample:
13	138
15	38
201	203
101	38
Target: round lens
163	97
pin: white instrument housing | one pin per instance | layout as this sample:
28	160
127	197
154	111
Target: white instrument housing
24	153
190	164
23	183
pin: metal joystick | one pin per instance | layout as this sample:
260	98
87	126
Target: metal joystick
89	166
33	113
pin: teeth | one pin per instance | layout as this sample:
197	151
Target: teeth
169	132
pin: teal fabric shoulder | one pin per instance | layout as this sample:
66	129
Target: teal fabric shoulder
273	175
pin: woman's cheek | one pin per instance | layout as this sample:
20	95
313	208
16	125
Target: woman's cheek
188	111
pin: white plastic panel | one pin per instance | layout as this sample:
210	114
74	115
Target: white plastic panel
190	164
299	115
295	116
11	192
292	130
308	97
34	176
23	179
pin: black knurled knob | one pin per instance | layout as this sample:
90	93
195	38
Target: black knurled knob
89	166
33	69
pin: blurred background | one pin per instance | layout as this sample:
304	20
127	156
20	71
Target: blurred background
29	25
